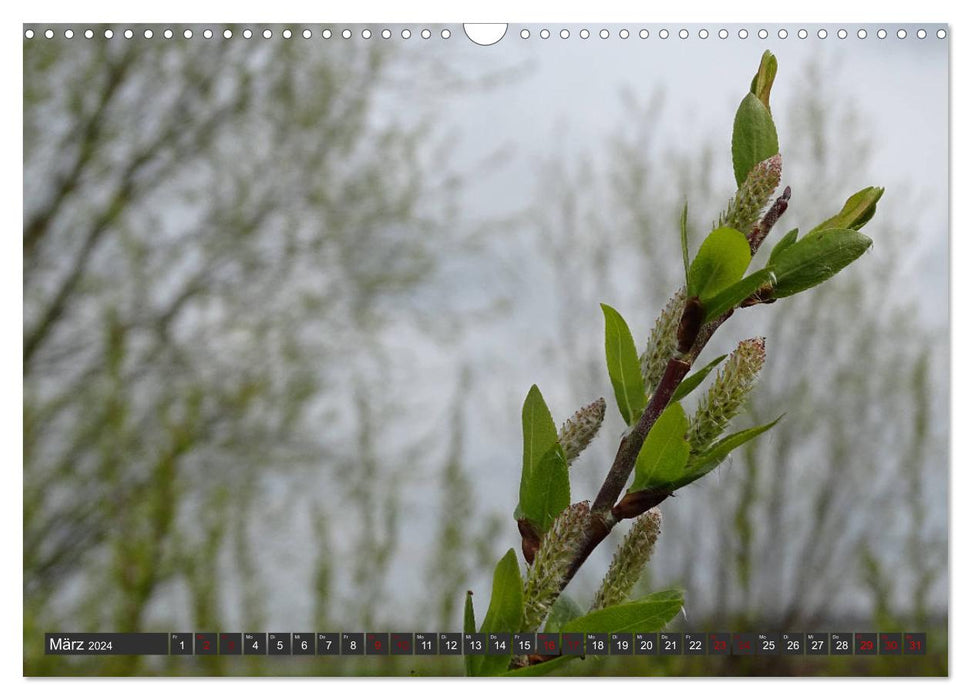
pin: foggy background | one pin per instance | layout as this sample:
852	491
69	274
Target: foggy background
283	299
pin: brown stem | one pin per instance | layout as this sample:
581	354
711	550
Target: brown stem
631	444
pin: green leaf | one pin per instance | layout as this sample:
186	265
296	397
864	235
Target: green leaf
857	210
563	610
691	382
623	366
702	464
784	242
542	477
762	82
469	628
815	258
541	669
753	137
684	239
721	261
547	492
732	296
665	451
648	614
505	612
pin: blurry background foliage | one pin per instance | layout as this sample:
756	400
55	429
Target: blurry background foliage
244	266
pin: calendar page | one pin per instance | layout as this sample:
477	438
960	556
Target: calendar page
513	350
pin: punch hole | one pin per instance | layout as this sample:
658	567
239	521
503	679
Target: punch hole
921	34
109	33
763	34
643	34
941	33
702	33
841	33
822	34
485	34
783	33
564	33
802	33
722	33
68	33
366	33
584	33
187	34
881	34
664	34
743	33
29	34
544	34
167	34
524	34
624	33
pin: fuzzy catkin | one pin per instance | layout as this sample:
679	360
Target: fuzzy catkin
663	341
629	561
549	569
752	197
579	430
727	394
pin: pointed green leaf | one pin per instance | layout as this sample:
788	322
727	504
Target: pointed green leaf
702	464
541	669
754	137
648	614
563	610
815	258
547	492
665	451
784	242
469	628
721	262
623	366
691	382
505	612
857	210
539	435
684	239
762	82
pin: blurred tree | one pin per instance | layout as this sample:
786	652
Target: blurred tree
213	232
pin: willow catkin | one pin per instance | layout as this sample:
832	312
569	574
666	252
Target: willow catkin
663	341
579	430
727	394
556	552
753	196
629	561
